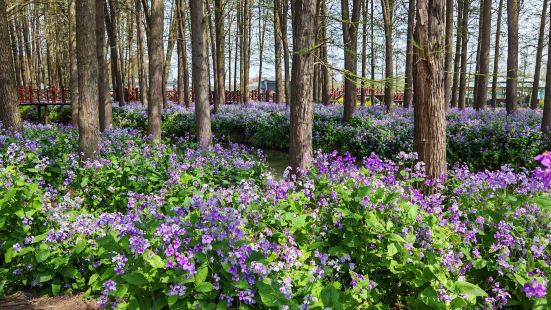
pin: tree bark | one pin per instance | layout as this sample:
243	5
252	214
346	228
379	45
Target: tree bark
512	56
156	56
449	51
111	22
219	12
73	81
9	105
350	22
457	56
87	78
464	42
484	56
286	53
536	85
304	33
388	11
141	54
325	93
105	111
496	54
546	119
200	73
430	108
279	88
245	51
408	84
172	36
364	51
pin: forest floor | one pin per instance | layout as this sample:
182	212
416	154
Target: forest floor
28	301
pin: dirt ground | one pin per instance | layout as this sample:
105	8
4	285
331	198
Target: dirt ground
26	301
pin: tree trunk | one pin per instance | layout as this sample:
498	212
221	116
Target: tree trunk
457	56
73	81
512	55
156	56
496	55
245	51
484	57
430	107
449	51
464	42
408	85
9	105
536	85
219	18
325	93
546	119
105	112
172	36
200	73
279	88
372	26
262	22
286	53
364	52
87	78
388	11
141	56
350	40
304	33
111	22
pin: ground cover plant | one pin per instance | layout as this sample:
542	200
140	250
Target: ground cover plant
170	226
484	140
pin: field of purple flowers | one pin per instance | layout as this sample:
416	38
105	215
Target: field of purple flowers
169	226
483	140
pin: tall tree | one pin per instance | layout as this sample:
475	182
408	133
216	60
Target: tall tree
457	57
156	56
325	93
105	110
219	12
539	51
364	50
546	119
464	44
286	52
245	50
304	34
408	84
9	105
279	88
449	52
493	101
388	12
141	56
183	72
430	106
73	70
484	55
111	22
200	73
350	21
512	56
87	78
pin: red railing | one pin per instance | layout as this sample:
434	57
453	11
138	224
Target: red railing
54	96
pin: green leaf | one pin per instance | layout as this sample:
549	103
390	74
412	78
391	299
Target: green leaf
135	278
41	255
469	289
204	287
330	297
44	277
56	288
270	295
202	274
391	249
154	260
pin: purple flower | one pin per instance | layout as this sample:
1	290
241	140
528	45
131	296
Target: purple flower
110	285
535	289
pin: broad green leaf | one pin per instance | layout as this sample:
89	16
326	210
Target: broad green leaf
135	278
469	289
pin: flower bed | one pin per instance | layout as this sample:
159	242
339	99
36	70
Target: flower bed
159	226
483	140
